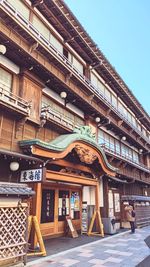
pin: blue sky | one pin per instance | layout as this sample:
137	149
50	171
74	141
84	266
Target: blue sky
121	29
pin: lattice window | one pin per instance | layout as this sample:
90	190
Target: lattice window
13	232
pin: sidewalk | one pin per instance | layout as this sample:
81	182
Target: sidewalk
121	250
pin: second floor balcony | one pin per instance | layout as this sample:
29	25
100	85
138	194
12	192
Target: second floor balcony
10	101
122	155
50	114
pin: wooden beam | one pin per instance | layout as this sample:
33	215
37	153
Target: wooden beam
91	97
33	47
63	177
61	162
108	112
119	163
37	2
124	164
131	131
120	122
111	159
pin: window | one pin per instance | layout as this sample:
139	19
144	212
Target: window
129	117
130	153
143	131
117	146
112	143
94	80
139	126
47	210
114	101
70	57
101	137
39	25
120	107
133	121
107	140
135	157
5	80
123	150
77	65
124	111
56	44
107	95
101	87
23	9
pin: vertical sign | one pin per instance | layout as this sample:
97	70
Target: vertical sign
84	217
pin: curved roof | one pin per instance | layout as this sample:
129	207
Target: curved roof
64	144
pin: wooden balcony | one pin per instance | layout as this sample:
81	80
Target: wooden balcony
114	152
8	100
36	35
50	115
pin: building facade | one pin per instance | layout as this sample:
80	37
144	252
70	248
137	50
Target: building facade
69	120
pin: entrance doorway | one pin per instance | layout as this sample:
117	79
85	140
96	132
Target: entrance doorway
57	203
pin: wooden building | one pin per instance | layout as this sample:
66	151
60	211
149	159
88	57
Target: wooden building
66	116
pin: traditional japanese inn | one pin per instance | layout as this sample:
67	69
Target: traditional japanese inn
74	140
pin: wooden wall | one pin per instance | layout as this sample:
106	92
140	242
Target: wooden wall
11	134
32	92
133	189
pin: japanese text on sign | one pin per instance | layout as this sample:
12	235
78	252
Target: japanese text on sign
34	175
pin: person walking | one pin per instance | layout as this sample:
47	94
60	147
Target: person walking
130	215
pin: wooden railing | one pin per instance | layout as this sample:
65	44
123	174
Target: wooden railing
48	113
11	100
67	64
114	151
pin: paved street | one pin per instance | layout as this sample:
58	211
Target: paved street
121	250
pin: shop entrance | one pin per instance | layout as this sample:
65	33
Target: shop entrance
57	203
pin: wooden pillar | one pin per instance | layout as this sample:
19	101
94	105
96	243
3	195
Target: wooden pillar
106	192
37	201
147	161
97	197
56	211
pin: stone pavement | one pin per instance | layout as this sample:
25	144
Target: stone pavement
121	250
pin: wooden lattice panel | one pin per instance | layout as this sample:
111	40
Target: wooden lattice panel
13	232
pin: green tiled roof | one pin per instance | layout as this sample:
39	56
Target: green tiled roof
63	141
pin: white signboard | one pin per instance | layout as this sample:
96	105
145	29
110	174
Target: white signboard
84	217
34	175
117	202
